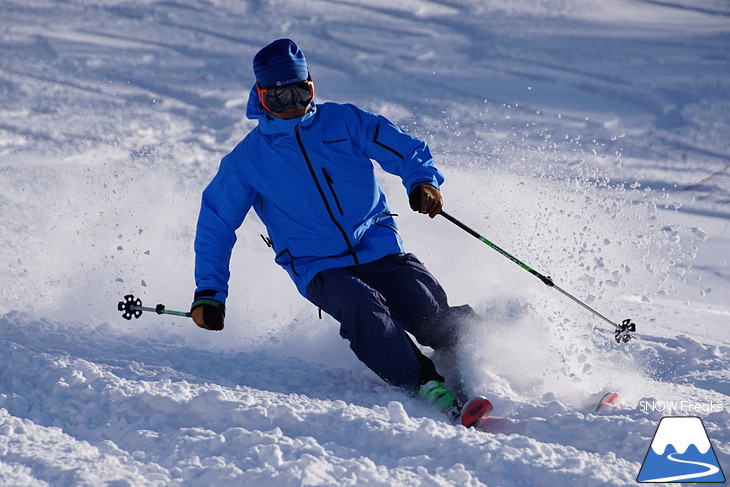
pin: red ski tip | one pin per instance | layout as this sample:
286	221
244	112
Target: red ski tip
608	398
475	410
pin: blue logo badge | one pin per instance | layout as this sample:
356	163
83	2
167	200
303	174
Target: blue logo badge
681	452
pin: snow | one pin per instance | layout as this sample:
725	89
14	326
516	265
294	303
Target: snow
587	138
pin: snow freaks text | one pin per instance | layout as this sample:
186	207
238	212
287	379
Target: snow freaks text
680	407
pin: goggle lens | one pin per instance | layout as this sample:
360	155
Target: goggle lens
278	98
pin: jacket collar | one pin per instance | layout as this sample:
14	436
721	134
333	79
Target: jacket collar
269	124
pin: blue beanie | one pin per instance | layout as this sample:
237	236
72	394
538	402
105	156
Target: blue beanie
280	63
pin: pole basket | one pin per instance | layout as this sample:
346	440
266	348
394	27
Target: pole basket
131	307
624	330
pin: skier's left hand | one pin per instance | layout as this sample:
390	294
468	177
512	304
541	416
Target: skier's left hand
206	312
208	317
426	199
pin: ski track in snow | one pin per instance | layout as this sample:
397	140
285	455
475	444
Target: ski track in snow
588	138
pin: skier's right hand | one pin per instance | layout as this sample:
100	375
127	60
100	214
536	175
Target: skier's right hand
208	313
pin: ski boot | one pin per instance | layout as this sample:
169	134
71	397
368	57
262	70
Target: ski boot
437	395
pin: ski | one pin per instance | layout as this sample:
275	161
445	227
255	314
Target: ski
475	410
608	398
480	407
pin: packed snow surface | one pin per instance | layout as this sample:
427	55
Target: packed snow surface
588	138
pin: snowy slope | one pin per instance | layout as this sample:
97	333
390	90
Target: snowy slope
587	137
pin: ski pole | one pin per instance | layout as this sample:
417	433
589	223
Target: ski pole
622	332
132	307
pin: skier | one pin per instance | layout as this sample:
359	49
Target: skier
306	171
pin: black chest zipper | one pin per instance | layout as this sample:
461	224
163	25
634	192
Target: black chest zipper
313	173
331	184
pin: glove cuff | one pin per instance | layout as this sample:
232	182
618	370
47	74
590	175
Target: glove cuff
206	301
414	197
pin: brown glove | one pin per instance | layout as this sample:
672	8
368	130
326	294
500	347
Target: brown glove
426	199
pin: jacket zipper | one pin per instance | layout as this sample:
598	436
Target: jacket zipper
323	196
330	183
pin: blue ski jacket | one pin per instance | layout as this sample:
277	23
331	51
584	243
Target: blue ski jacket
313	185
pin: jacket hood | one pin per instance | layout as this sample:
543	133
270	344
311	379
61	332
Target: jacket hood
269	124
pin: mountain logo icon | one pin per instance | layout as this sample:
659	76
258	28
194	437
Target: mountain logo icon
681	452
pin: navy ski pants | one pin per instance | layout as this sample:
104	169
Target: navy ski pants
376	303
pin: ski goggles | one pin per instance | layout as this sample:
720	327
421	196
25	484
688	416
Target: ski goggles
277	99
